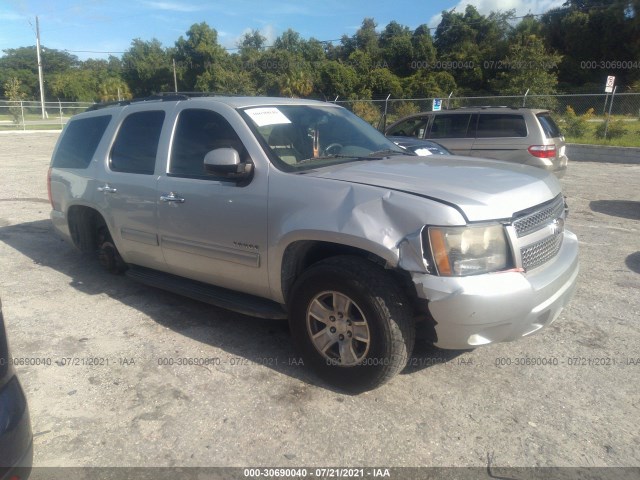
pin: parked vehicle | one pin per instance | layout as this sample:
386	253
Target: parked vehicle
16	439
518	135
420	147
289	208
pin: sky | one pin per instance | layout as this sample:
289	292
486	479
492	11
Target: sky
97	28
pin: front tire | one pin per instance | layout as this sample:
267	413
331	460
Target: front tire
351	322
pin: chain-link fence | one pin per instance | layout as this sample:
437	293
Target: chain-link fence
27	115
621	104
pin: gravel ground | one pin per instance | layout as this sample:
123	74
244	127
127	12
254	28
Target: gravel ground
253	405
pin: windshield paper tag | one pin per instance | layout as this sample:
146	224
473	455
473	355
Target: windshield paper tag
423	152
267	116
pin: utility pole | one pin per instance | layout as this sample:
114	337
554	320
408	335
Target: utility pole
44	112
175	78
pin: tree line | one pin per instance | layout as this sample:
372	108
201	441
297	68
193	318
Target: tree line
574	46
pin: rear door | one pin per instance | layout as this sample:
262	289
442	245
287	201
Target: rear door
501	136
454	131
126	191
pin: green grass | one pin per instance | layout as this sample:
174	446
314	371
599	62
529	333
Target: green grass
19	128
630	139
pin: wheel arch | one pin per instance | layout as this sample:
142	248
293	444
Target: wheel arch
299	255
84	222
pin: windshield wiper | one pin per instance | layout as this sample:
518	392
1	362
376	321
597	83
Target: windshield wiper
326	157
380	154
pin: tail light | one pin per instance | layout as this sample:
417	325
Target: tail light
49	187
543	151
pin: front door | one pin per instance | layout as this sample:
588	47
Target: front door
212	229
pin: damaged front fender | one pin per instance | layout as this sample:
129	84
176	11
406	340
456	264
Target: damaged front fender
411	254
384	222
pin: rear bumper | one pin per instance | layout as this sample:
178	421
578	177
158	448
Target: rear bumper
61	225
557	166
483	309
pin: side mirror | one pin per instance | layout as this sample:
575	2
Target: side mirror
225	162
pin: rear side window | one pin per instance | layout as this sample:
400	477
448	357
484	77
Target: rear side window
450	126
501	125
80	141
136	146
549	127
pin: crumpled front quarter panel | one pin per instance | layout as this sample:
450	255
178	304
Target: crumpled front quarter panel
370	218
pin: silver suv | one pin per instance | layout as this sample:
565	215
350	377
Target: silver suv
518	135
286	208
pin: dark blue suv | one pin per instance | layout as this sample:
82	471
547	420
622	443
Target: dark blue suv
16	439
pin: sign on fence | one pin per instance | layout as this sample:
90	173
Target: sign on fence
437	104
608	88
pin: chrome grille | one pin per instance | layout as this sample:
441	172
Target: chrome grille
538	219
541	252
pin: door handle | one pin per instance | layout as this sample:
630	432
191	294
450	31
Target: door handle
107	189
172	197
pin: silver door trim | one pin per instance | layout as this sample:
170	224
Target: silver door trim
218	252
139	236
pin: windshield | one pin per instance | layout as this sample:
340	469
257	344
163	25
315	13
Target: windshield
300	137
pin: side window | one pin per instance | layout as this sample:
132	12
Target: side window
135	147
450	126
198	132
80	141
501	125
412	127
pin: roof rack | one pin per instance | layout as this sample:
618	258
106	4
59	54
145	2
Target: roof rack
486	106
160	97
200	94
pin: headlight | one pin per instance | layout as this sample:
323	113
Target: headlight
458	251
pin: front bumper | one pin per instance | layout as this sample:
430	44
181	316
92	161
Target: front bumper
500	307
22	469
16	440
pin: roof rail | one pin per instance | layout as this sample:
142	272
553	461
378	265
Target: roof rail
486	106
161	97
201	94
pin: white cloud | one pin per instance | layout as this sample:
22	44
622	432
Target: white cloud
268	31
11	17
174	6
522	7
291	9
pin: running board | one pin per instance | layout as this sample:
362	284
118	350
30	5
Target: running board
220	297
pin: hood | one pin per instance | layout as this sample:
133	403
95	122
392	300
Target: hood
482	189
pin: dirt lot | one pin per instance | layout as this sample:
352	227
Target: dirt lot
252	405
